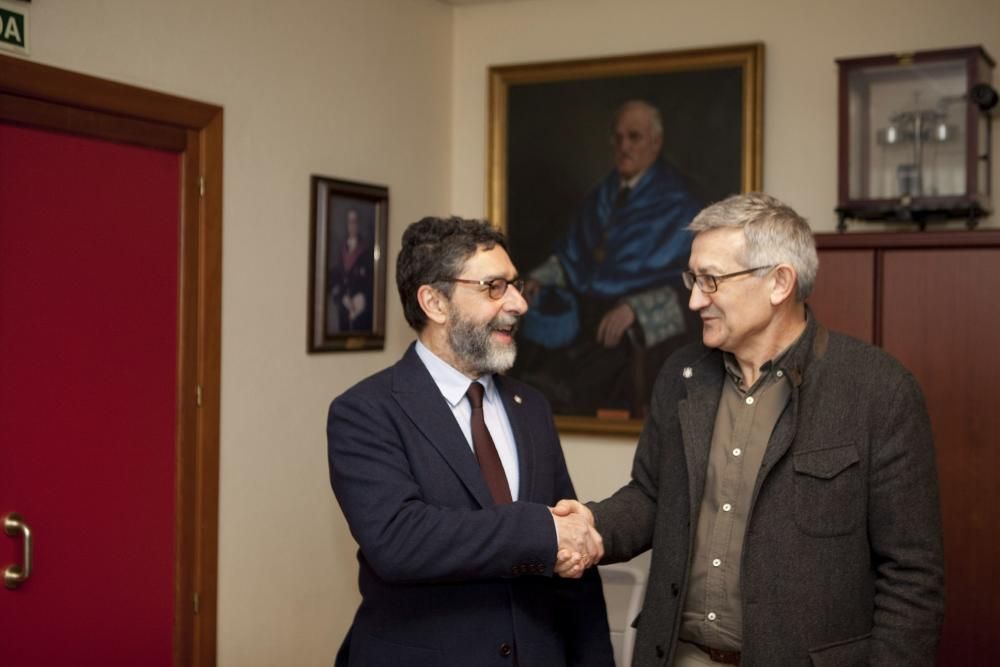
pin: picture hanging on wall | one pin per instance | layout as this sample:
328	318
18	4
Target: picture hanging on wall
595	168
348	228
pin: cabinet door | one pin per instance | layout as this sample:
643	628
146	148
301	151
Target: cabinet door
844	296
941	319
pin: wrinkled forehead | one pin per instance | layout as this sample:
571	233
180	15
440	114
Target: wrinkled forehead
718	250
634	118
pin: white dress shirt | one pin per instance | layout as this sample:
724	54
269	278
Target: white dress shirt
453	385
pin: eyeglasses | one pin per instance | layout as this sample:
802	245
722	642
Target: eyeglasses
497	286
708	284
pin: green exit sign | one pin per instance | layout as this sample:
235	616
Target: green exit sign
13	27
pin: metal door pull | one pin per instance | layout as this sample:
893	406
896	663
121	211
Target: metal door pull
15	575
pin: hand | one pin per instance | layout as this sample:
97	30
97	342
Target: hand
614	324
569	565
580	545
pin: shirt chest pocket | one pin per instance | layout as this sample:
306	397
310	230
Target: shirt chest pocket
829	491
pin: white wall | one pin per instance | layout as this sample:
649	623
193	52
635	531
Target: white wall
801	40
351	89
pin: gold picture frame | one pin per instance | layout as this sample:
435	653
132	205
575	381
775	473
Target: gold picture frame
548	132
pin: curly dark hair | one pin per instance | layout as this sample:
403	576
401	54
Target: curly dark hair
435	250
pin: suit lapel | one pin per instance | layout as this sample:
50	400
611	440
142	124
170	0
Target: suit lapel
419	397
697	417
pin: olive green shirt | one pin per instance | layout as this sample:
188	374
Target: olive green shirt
713	607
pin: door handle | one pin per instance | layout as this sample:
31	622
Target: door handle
15	575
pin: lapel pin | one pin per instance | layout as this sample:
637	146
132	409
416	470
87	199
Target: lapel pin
517	399
687	372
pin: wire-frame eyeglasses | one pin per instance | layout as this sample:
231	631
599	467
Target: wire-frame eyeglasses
708	283
497	287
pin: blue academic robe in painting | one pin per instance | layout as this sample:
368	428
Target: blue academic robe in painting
614	251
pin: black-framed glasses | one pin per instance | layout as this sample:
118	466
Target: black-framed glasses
708	284
497	287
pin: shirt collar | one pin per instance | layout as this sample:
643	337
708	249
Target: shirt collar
449	380
632	182
780	360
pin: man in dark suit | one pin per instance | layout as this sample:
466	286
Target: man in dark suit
785	478
446	470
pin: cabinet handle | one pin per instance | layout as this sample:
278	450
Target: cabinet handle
15	575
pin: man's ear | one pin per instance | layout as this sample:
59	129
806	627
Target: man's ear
433	303
783	285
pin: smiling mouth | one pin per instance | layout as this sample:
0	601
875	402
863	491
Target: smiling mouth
506	330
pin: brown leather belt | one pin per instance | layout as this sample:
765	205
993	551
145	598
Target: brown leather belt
718	655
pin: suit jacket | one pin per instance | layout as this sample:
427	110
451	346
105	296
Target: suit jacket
842	556
446	577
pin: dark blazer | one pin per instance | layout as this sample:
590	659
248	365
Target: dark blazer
446	577
842	559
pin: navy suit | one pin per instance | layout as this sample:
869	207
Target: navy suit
446	577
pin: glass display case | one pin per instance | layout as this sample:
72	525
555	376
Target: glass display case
914	141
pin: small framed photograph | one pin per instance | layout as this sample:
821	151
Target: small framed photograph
595	168
347	250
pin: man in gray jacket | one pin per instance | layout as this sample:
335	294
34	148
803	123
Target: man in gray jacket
785	477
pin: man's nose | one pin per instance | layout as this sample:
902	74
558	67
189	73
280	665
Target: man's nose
697	300
514	301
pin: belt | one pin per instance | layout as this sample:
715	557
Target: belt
718	655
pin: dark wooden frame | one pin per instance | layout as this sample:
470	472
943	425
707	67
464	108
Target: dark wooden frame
46	97
920	210
746	59
322	191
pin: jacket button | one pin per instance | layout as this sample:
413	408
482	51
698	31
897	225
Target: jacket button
505	650
659	651
674	590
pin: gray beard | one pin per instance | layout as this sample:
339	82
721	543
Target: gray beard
475	350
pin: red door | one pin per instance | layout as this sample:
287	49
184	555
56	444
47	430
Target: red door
88	397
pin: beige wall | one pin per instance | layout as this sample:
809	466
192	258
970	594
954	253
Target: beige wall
393	92
801	40
346	88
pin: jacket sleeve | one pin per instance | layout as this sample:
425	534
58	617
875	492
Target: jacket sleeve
405	538
626	519
904	526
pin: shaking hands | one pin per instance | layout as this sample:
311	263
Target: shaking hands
580	545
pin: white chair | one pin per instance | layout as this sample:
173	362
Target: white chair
624	589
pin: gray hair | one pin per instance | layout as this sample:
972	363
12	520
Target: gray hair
774	234
655	120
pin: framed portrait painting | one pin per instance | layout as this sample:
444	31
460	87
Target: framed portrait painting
348	227
595	169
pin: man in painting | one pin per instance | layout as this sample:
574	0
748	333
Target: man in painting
446	471
785	478
351	280
607	297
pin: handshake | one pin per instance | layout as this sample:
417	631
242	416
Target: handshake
580	545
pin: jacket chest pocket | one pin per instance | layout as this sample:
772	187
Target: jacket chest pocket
829	491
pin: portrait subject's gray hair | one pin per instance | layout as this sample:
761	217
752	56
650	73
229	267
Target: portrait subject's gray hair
774	233
654	114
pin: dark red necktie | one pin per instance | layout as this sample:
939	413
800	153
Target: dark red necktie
486	451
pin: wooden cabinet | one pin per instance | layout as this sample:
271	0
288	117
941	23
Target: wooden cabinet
932	300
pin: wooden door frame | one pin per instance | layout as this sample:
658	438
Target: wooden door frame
45	97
